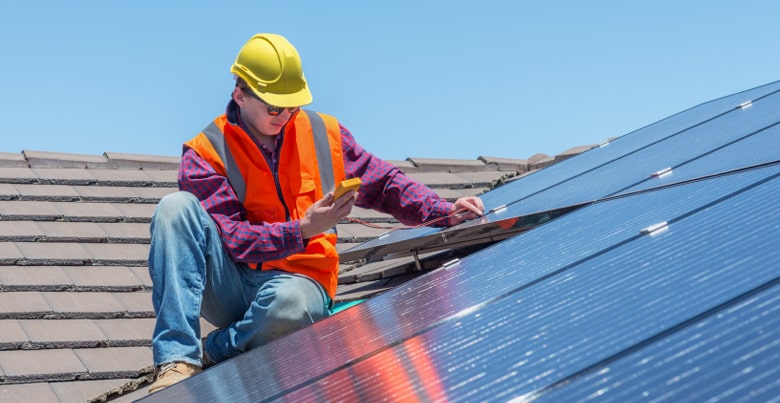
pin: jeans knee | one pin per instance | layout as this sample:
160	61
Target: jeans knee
290	310
289	307
174	205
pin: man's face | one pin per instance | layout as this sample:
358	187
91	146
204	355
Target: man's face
261	117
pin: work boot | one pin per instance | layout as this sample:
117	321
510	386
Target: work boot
173	372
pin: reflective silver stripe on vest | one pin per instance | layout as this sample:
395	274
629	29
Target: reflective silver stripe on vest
217	140
322	148
324	157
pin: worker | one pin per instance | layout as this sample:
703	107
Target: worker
249	241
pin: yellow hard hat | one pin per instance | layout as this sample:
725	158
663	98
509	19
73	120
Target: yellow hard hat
271	66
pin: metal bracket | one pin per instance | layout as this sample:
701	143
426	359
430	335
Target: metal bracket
417	264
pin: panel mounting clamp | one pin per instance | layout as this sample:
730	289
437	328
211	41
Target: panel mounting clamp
745	105
655	228
498	210
662	173
452	263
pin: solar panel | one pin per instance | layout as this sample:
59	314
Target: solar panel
571	322
533	311
627	163
682	367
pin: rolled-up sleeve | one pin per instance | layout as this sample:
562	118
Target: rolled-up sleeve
385	188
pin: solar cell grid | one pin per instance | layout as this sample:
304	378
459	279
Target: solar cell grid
619	300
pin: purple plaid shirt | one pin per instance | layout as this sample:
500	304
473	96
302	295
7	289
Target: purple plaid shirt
385	188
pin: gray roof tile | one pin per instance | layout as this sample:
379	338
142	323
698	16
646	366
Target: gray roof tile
106	193
46	159
13	160
441	179
155	193
28	392
137	303
123	177
573	151
9	253
126	232
52	253
63	231
117	254
506	164
136	212
371	216
8	192
358	233
405	166
31	365
85	304
169	177
127	329
539	161
30	278
11	333
27	231
64	176
103	277
48	193
142	274
141	161
29	210
85	390
22	305
448	165
115	360
94	212
18	175
63	333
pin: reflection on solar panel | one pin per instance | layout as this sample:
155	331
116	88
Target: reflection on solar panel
670	290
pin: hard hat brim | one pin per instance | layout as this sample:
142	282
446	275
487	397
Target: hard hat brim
293	100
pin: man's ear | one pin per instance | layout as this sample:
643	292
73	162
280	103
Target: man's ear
239	96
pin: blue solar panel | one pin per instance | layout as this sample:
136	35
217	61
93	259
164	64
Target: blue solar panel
628	144
573	317
730	142
731	356
531	311
627	163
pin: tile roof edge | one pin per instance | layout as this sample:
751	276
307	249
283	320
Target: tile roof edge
141	161
13	160
506	164
48	159
450	165
108	160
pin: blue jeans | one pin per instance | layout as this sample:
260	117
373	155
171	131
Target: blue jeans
193	275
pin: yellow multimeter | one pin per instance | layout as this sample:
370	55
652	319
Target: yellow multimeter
345	186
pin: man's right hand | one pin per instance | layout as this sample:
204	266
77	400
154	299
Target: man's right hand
324	214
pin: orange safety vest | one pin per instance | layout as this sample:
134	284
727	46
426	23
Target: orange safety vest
310	163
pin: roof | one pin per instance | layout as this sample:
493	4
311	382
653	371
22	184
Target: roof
642	269
75	296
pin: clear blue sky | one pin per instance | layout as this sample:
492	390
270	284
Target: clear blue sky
443	79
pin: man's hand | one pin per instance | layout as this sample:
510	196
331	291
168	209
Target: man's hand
466	208
325	214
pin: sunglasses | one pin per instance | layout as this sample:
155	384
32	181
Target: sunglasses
272	110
